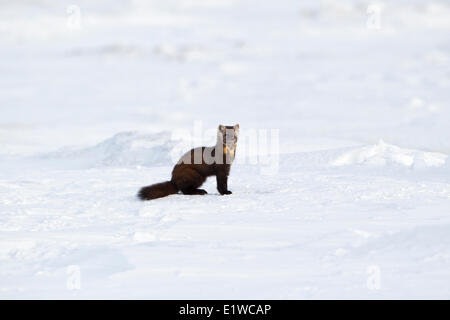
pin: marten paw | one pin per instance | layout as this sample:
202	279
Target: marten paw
225	192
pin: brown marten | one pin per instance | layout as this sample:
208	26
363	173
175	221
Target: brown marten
198	164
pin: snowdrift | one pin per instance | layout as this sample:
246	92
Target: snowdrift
382	154
123	149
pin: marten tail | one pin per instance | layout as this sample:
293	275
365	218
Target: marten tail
157	190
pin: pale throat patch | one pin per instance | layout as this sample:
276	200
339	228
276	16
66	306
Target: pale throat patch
229	151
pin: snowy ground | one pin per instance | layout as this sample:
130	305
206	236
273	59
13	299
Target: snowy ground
358	207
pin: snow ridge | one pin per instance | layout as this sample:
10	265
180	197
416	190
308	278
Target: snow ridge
123	149
382	154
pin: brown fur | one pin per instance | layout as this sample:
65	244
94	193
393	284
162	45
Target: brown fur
188	176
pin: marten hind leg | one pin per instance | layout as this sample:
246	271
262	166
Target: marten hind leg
192	191
188	181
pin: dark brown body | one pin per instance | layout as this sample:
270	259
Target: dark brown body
192	171
189	177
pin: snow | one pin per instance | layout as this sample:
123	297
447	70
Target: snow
123	149
384	154
354	202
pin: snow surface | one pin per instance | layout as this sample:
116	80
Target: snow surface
358	207
383	154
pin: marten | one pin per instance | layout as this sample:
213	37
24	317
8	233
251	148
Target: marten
195	166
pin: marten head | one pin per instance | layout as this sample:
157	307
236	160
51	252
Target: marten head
228	136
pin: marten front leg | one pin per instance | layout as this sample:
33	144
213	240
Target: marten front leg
222	183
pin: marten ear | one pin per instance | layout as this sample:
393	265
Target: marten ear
236	129
221	128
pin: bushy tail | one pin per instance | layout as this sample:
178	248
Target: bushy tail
157	190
